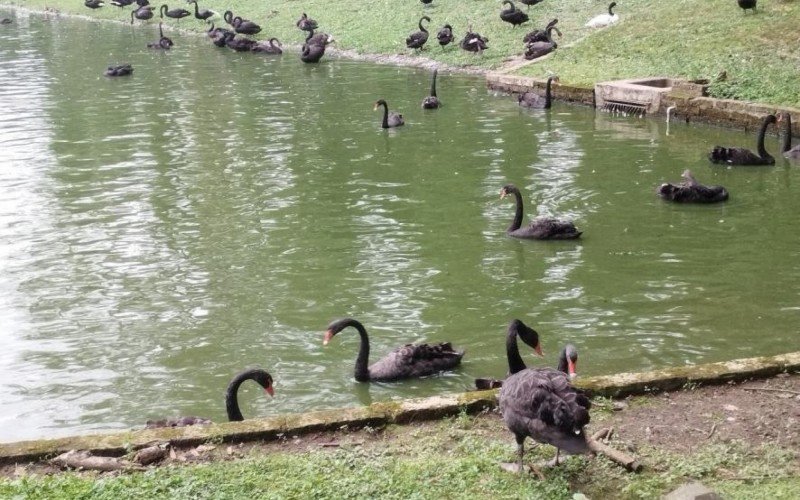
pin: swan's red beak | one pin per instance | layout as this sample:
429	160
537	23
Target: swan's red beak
328	336
538	349
270	390
571	368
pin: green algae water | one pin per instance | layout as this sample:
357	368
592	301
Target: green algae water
217	210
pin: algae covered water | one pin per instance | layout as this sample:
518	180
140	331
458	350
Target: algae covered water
217	210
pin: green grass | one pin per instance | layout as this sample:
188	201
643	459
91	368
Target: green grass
684	38
454	458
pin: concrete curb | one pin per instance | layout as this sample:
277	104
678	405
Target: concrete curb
392	412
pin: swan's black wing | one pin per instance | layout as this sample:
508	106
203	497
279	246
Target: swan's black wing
737	156
693	193
417	40
415	360
531	100
548	228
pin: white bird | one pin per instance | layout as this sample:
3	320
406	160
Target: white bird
604	19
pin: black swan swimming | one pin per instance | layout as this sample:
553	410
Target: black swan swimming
742	156
474	42
788	151
202	14
390	120
271	46
602	20
142	13
540	403
691	191
513	15
305	23
445	35
534	100
408	361
163	42
538	35
417	39
240	44
541	228
174	13
747	4
535	50
93	4
120	70
516	329
432	101
245	27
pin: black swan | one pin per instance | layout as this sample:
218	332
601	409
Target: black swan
142	13
530	2
786	148
220	36
245	27
272	46
691	191
540	403
742	156
390	120
535	50
538	35
227	16
121	70
474	42
534	100
163	42
305	23
513	15
408	361
604	19
202	14
174	13
240	44
445	35
417	39
314	48
93	4
432	101
541	228
516	329
121	3
5	20
747	4
318	39
567	364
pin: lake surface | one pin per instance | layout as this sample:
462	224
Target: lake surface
216	211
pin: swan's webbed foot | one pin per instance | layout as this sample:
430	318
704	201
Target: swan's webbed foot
555	462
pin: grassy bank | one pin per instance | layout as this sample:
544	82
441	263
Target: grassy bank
760	53
454	458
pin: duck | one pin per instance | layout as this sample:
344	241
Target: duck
539	35
742	156
541	228
259	376
747	4
142	13
432	101
163	42
602	20
516	330
204	14
537	49
271	46
534	100
691	191
305	23
174	13
93	4
512	15
390	120
445	35
417	39
793	153
408	361
474	42
119	70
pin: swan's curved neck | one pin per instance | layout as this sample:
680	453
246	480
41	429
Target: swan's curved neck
762	151
610	8
517	222
385	124
515	362
310	34
563	366
548	97
362	370
196	11
510	4
422	28
231	397
433	84
787	134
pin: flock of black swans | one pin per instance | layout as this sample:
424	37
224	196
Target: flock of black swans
539	403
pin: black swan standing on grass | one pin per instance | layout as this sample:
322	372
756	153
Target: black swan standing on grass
534	100
202	14
747	4
120	70
516	329
535	50
538	35
142	13
432	101
742	156
408	361
390	120
541	228
245	27
445	35
272	46
257	375
691	191
163	42
474	42
305	23
174	13
788	151
417	39
513	15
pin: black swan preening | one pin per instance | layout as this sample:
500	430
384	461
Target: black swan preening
691	191
93	4
786	147
513	15
305	23
201	14
142	13
120	70
445	35
747	4
742	156
474	42
220	36
271	46
432	101
516	329
535	50
417	39
408	361
314	47
602	20
539	35
541	228
163	42
390	120
174	13
534	100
